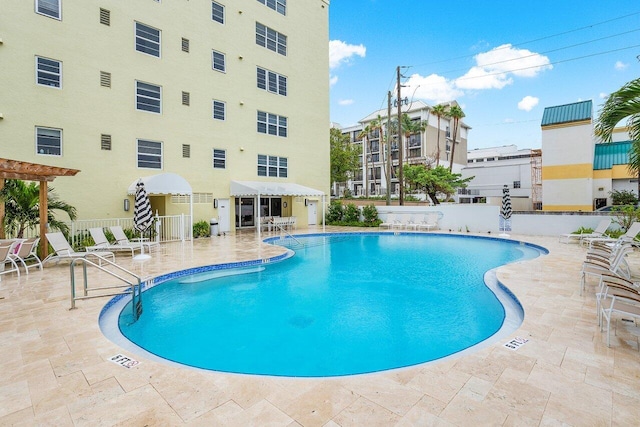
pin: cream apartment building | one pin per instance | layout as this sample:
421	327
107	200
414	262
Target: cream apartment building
221	106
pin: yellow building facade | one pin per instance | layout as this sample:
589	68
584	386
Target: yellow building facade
214	92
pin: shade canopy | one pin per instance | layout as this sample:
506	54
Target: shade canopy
254	188
163	183
15	169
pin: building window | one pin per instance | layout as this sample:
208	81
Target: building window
48	72
219	159
218	62
105	142
49	141
186	98
148	97
271	39
516	184
149	154
186	151
219	110
217	12
272	82
272	124
279	6
105	79
50	8
105	17
185	45
147	39
272	166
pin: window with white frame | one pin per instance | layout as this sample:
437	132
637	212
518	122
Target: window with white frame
217	12
219	110
148	97
48	141
219	158
272	82
218	61
48	72
516	184
271	39
279	6
272	166
50	8
272	124
147	39
149	154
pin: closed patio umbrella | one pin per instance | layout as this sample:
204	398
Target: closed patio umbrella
142	217
505	210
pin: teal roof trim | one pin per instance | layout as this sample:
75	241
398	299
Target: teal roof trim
568	113
608	155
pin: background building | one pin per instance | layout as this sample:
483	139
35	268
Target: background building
206	92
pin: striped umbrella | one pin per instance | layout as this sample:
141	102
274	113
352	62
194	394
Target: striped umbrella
142	217
506	203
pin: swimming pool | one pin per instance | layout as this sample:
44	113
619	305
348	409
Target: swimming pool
344	304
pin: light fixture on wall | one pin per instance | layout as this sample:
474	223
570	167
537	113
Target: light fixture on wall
284	204
126	205
215	203
306	202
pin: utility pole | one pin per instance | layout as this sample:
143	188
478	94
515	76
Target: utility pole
388	177
400	148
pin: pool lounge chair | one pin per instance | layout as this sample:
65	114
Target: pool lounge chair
102	244
599	231
6	249
63	250
389	222
430	222
27	251
629	236
122	239
623	299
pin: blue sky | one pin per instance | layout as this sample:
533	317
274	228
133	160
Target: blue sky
503	61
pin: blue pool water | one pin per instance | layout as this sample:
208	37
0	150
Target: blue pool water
345	304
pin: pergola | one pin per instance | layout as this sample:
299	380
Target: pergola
15	169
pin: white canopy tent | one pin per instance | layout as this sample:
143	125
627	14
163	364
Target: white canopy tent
259	189
164	184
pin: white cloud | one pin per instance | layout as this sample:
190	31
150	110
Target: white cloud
333	80
527	103
341	52
345	102
620	65
433	87
495	69
603	95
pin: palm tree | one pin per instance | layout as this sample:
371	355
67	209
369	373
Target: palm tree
22	207
456	113
366	149
620	105
440	110
377	124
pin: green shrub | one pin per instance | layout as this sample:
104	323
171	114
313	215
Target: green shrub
370	214
583	230
335	212
351	213
623	197
625	216
201	229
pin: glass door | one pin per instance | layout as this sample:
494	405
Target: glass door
245	212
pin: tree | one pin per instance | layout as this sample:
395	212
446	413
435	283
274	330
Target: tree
440	111
456	113
434	180
620	105
344	156
22	207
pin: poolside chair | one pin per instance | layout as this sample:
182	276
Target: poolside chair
122	239
6	250
413	222
389	222
597	264
402	221
27	251
629	236
599	231
430	221
102	244
624	300
63	250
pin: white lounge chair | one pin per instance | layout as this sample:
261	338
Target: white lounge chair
402	221
27	251
389	222
413	222
599	231
122	239
624	300
6	250
102	244
430	221
63	250
629	236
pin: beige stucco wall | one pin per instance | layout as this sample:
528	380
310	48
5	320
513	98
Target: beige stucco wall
84	110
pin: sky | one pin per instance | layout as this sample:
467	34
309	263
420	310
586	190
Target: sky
502	61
